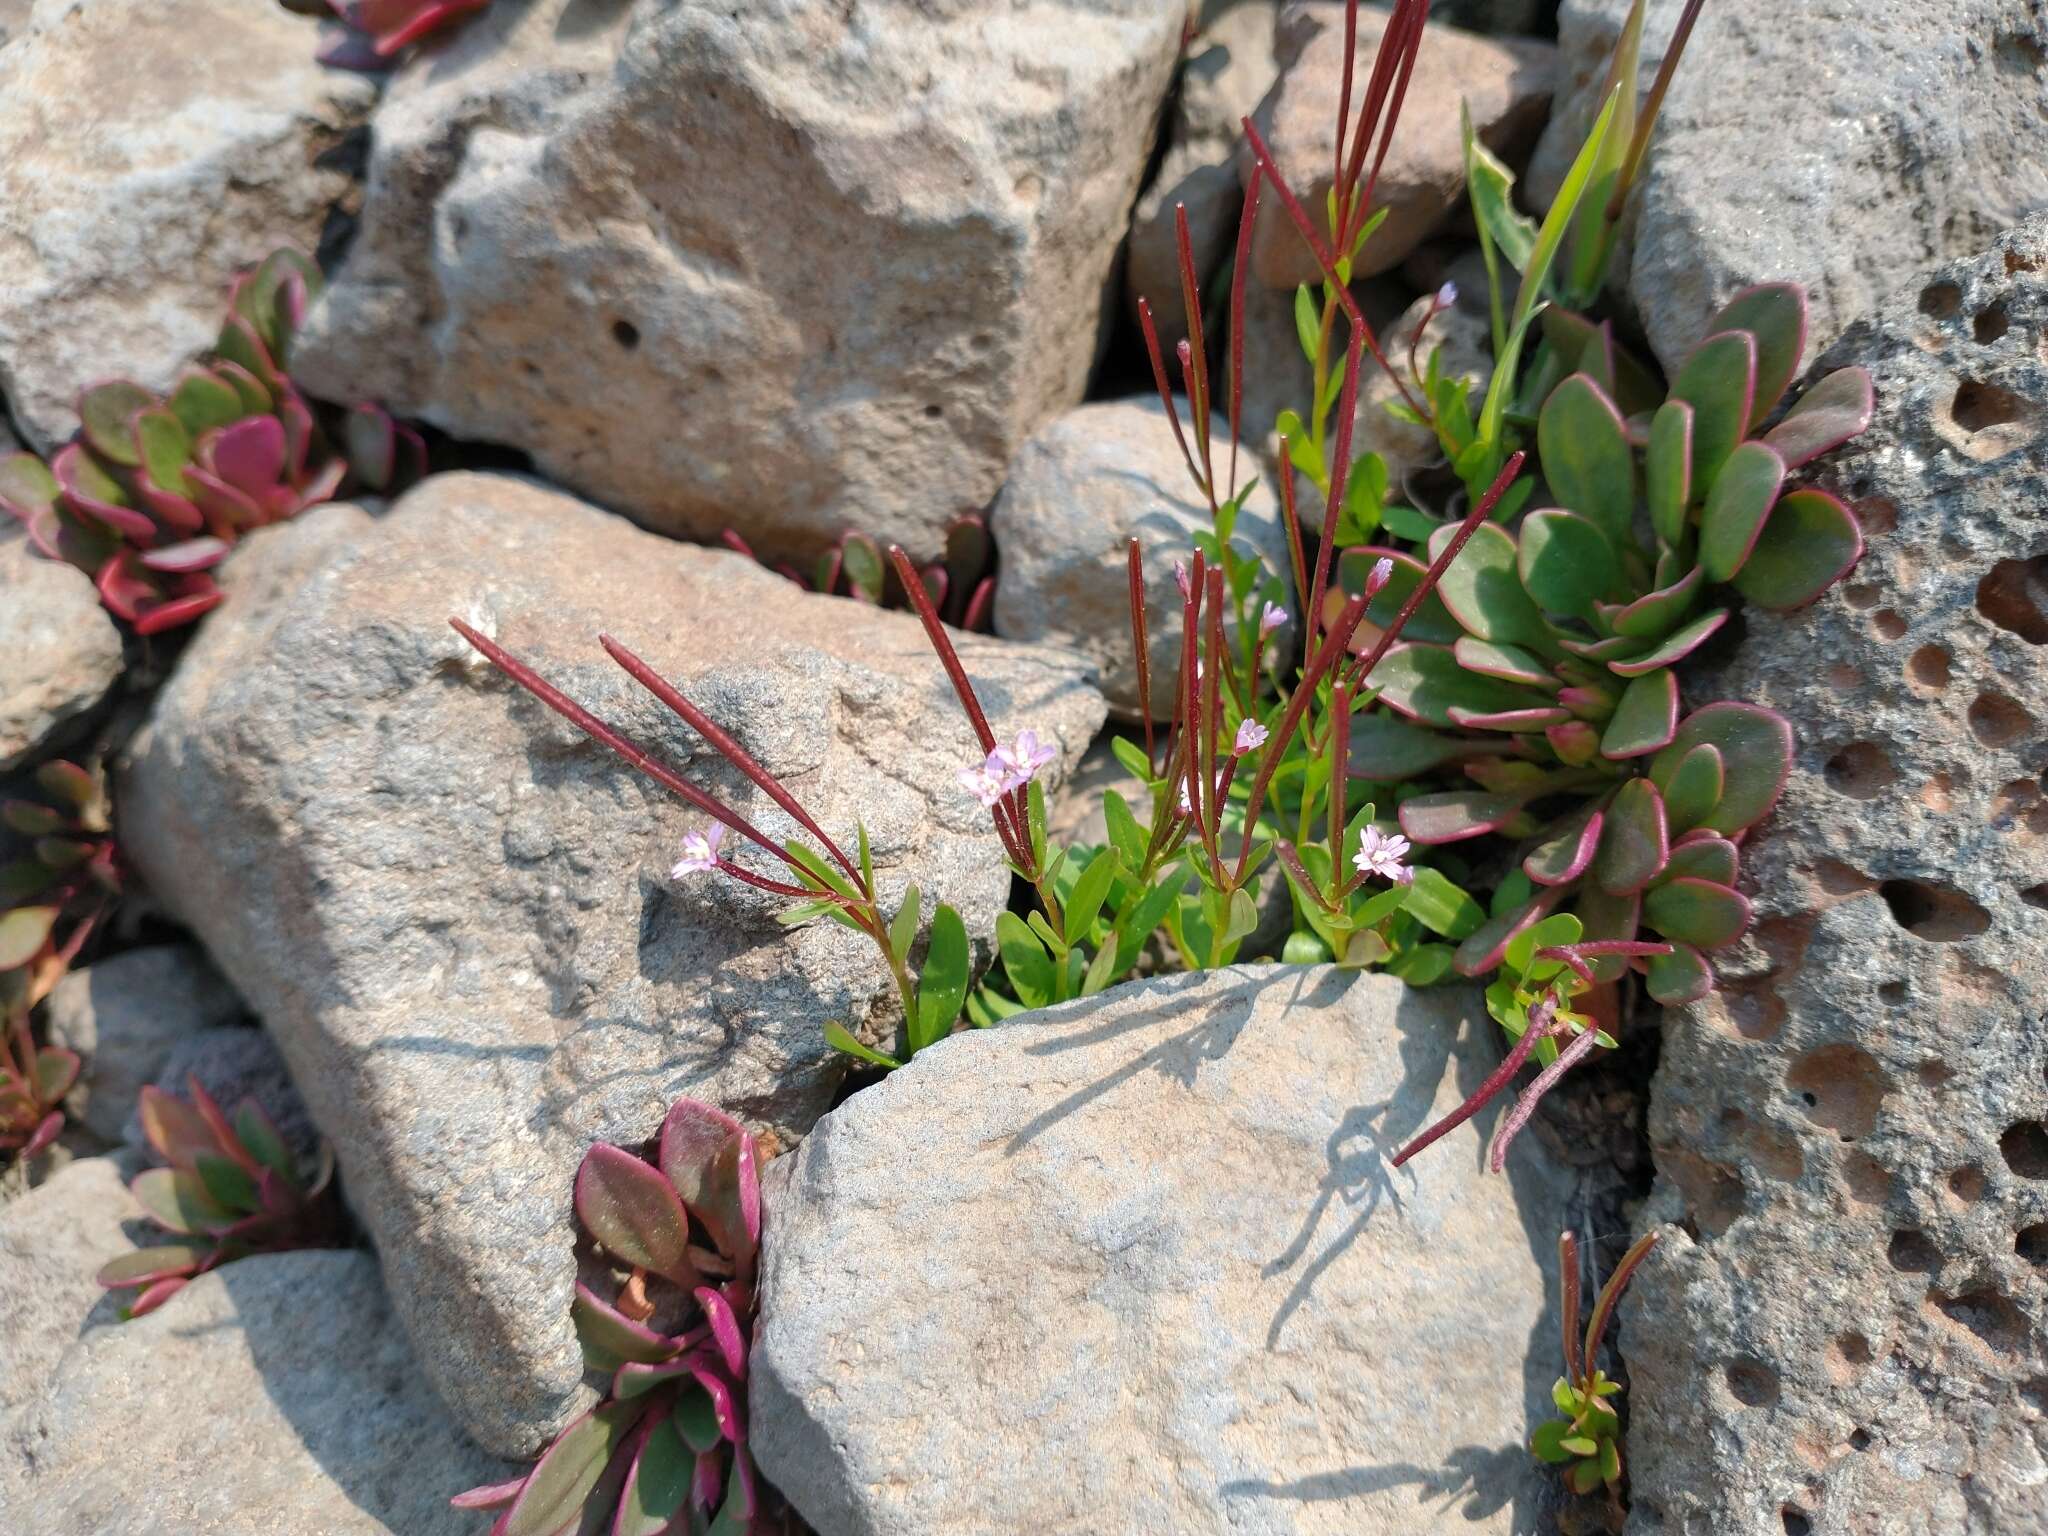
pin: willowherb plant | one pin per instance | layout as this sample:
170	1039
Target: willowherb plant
962	586
233	1187
1586	1441
152	492
372	35
666	1449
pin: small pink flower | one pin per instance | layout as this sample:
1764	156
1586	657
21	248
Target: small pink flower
1381	854
986	781
1021	760
1250	737
700	852
1447	295
1376	580
1186	806
1271	619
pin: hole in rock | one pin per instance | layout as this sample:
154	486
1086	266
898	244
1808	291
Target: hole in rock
1893	993
1993	1318
2031	1244
1928	669
1841	1086
1851	1349
1860	594
1912	1254
1796	1523
934	411
1862	770
1998	720
1938	301
1986	421
1868	1181
1754	1384
1991	323
1888	624
1967	1184
2024	1147
2013	801
2036	895
2014	596
1938	913
1859	1439
626	334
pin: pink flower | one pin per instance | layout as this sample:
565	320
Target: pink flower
1447	295
1250	737
1381	854
1376	580
700	852
1022	759
1271	619
986	781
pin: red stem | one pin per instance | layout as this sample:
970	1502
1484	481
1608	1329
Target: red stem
1518	1116
1165	389
1136	565
1245	222
1568	1310
1540	1018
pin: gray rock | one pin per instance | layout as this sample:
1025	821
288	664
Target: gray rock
1506	83
123	1015
274	1397
147	149
455	915
848	257
1138	1263
1844	149
59	650
1229	69
1081	490
1854	1337
14	18
53	1240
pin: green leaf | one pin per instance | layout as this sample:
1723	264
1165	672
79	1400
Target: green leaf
1718	379
903	929
1674	648
1756	754
1775	315
1431	622
1655	614
163	447
1736	507
942	984
1683	976
1586	455
1491	185
633	1211
1566	1399
865	859
104	414
1808	544
1304	949
1087	896
1693	788
1508	663
1584	1476
1565	562
1244	916
147	1264
861	564
23	932
1441	906
1827	415
1102	969
1610	1460
1025	960
604	1336
552	1500
815	866
1667	470
228	1183
1308	324
657	1484
1698	913
1483	590
26	485
1580	1445
1646	718
1425	965
1138	923
1633	839
179	1201
1388	749
1713	859
1124	835
203	401
1547	1444
837	1036
1425	681
1132	756
1553	932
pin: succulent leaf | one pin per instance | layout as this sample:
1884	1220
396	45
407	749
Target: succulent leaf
1837	408
634	1213
1563	858
657	1482
1388	749
1655	614
1683	976
1432	622
179	1202
1775	315
1718	380
1508	663
1673	648
1646	718
1483	589
610	1338
1607	916
1633	841
1566	562
1697	912
1706	857
1809	543
1667	469
1756	753
1426	683
552	1499
23	932
146	1266
1694	787
1734	514
1451	816
104	413
1586	456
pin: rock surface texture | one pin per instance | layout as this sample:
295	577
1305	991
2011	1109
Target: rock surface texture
149	148
455	915
124	1015
1138	1264
1506	82
793	267
59	649
1839	147
298	1411
1081	490
53	1239
1854	1339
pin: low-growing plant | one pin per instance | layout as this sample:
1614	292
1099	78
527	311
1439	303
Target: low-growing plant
1586	1441
154	489
665	1451
962	586
373	35
232	1187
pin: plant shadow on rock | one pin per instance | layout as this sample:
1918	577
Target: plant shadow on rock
1485	1477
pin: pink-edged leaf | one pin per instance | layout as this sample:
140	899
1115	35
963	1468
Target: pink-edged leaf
1611	647
1575	742
198	554
1684	976
1718	379
1736	508
719	1180
320	488
1827	416
1425	682
1566	562
1451	816
724	1403
180	610
177	1132
1810	542
56	1070
248	455
27	488
297	421
1534	718
1432	622
1561	859
105	412
1775	315
1646	718
491	1495
1387	749
707	1481
633	1213
725	1328
1482	949
1703	857
742	1499
695	1420
1673	649
1606	918
178	514
1483	588
637	1378
227	511
92	493
23	933
551	1499
1667	470
1755	745
146	1266
46	1131
1633	842
178	1202
156	1295
1509	663
657	1480
1587	458
609	1337
229	1144
1697	912
1656	614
